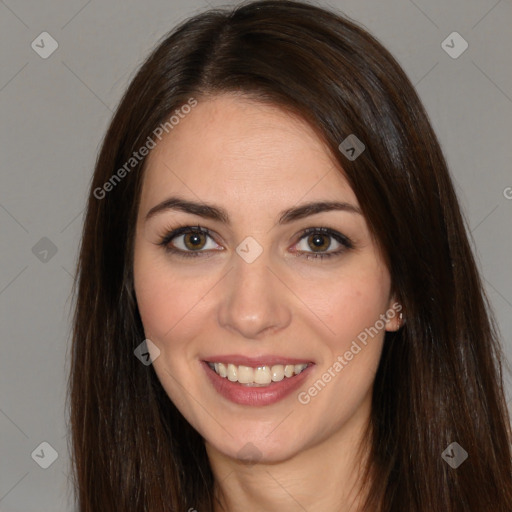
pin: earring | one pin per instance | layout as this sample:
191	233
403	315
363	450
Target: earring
400	317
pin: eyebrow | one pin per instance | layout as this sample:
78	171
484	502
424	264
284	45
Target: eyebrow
218	213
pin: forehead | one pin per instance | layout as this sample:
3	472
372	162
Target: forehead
232	148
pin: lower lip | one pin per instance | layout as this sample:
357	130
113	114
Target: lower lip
257	395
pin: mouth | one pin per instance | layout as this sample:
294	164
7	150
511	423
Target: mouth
256	382
259	376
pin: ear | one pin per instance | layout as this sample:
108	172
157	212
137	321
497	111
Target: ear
394	315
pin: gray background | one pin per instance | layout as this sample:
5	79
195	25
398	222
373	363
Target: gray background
54	114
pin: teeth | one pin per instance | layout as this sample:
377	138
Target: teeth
222	370
277	372
245	374
232	373
260	376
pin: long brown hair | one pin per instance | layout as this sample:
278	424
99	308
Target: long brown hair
439	379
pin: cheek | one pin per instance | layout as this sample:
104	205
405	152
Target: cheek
349	305
358	313
352	310
172	306
162	299
156	305
164	303
350	355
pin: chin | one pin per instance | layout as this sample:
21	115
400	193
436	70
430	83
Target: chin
257	449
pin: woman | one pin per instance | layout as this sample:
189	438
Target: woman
277	304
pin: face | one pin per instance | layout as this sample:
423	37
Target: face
269	317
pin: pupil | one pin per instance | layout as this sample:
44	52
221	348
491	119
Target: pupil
194	239
317	241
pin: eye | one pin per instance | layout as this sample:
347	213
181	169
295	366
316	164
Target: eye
320	239
187	241
192	241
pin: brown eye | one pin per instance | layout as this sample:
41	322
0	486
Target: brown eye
315	242
319	242
189	241
194	241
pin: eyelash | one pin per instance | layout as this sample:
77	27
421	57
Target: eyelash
170	234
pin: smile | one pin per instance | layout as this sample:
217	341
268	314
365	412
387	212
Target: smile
259	376
256	381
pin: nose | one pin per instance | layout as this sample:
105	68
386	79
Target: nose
254	299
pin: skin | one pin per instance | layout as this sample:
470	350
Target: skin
255	160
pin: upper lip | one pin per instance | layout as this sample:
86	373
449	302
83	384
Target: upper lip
269	360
